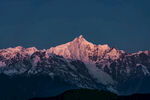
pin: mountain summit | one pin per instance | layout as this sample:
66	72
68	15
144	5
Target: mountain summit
83	50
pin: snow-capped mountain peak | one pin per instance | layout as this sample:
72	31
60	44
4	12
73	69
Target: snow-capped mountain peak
76	49
81	36
30	50
12	52
83	50
15	49
81	41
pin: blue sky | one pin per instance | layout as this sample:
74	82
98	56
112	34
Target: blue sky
124	24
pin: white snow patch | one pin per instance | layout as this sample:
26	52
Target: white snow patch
30	51
113	54
98	74
2	64
51	74
128	69
110	88
36	60
10	72
144	69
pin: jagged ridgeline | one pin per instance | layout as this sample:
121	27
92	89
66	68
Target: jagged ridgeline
30	72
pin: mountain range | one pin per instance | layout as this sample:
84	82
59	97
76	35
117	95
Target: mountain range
30	72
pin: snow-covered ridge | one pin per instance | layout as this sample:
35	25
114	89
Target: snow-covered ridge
78	49
11	52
